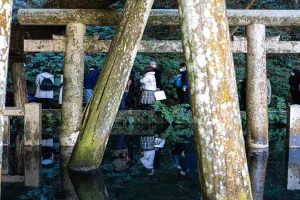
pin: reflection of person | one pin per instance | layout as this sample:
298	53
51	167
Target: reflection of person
148	154
149	87
90	80
44	96
151	146
121	154
157	75
294	82
188	157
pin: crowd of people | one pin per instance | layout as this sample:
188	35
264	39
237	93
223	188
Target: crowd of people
150	83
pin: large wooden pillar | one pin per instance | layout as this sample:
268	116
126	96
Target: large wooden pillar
104	104
218	133
73	84
5	23
256	96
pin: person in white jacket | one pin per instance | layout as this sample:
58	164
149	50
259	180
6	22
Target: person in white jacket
44	97
149	87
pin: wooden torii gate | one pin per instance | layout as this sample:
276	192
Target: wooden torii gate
256	47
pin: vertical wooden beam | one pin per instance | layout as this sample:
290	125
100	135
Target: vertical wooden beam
6	134
73	84
19	84
33	124
222	162
293	126
5	26
256	97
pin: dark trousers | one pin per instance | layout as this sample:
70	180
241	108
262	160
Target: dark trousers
46	103
122	105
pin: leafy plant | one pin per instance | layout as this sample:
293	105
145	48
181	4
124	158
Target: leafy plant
174	114
277	114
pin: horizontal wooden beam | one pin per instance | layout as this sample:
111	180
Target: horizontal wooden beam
12	179
155	46
157	17
14	111
150	46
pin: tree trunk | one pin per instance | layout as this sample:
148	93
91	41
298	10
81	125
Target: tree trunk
5	19
104	104
218	133
19	84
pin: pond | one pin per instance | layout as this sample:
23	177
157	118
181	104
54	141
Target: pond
126	169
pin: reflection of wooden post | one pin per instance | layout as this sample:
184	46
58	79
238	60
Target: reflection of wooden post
67	186
5	17
256	98
222	162
33	165
5	160
293	126
33	124
293	182
89	186
257	162
19	84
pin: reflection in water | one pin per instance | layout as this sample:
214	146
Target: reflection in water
33	165
293	182
89	186
68	191
257	162
5	160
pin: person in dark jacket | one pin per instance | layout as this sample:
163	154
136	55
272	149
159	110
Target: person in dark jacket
157	75
243	94
185	84
90	80
294	82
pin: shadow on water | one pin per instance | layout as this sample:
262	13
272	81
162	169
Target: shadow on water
126	171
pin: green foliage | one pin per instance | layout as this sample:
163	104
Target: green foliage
174	134
174	114
277	114
130	119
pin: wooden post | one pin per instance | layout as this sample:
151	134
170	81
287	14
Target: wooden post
256	97
33	124
257	161
33	165
5	19
73	84
19	84
222	162
104	104
6	134
293	126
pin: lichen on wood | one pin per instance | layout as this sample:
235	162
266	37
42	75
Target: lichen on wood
5	19
104	104
218	133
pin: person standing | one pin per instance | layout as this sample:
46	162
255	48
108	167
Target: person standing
294	82
185	84
90	80
269	92
149	87
44	88
123	101
157	75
